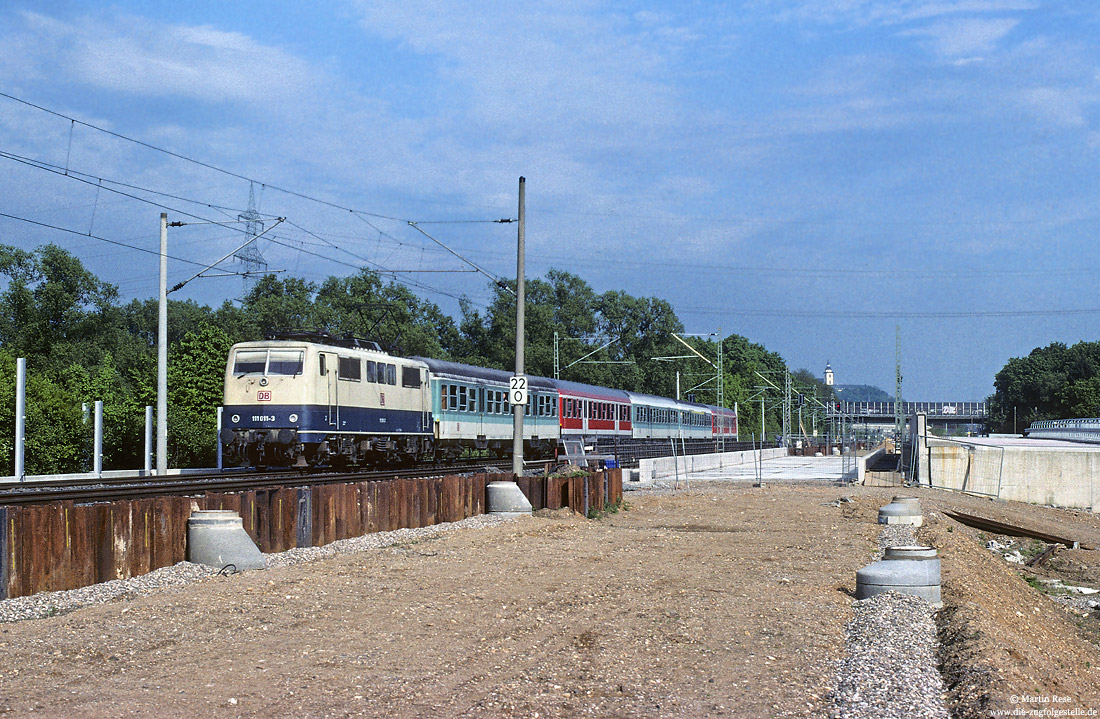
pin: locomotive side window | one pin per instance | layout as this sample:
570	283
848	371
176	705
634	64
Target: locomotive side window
372	371
410	377
250	362
322	366
351	369
391	374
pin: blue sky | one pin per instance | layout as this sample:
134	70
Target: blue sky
806	174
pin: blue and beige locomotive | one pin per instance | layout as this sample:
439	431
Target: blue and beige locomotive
311	399
308	399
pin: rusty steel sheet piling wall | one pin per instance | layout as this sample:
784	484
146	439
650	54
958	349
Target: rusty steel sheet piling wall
62	545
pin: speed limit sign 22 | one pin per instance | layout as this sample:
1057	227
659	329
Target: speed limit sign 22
517	389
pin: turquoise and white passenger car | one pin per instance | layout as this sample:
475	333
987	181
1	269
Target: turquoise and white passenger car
661	418
471	409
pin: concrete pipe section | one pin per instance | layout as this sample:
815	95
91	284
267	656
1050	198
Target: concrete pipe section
506	499
216	538
901	510
910	570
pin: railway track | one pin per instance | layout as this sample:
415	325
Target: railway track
111	489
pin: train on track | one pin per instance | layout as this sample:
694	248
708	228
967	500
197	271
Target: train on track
311	399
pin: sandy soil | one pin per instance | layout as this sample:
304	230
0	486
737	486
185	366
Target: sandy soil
722	601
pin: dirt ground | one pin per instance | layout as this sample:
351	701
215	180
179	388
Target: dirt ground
723	601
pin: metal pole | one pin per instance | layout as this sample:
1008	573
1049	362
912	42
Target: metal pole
677	385
517	410
162	353
97	451
556	370
218	436
763	430
20	418
148	439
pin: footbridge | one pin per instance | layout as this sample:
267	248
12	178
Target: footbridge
938	413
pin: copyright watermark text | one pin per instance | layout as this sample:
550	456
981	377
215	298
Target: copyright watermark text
1041	705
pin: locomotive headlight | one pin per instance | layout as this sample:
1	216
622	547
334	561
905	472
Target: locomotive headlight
263	381
235	418
293	418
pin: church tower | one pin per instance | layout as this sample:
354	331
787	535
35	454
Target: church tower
828	375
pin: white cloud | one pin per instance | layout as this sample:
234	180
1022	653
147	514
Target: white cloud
964	37
883	12
130	55
1061	106
552	69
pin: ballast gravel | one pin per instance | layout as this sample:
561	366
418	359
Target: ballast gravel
47	604
890	668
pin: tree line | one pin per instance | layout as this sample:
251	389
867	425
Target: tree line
82	344
1052	382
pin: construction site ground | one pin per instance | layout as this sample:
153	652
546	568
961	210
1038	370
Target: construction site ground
719	600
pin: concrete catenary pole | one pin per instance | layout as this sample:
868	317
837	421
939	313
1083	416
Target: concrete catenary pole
518	410
20	418
218	437
97	441
506	498
148	440
162	353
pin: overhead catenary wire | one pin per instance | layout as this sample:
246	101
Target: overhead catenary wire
192	160
886	314
97	237
499	282
66	172
87	178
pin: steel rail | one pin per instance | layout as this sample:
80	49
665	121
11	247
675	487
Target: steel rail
96	490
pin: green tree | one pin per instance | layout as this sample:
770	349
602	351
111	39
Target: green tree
1052	382
54	427
53	311
196	377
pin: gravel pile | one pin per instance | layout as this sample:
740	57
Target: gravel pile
891	667
47	604
377	540
896	535
890	670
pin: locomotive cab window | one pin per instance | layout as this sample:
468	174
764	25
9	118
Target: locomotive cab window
351	369
250	362
271	362
285	362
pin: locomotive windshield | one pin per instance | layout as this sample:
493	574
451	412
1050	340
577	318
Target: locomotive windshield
271	362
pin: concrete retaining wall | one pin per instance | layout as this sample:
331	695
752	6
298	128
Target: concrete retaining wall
862	462
650	470
1058	476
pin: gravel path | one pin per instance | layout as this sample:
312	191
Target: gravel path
891	668
47	604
